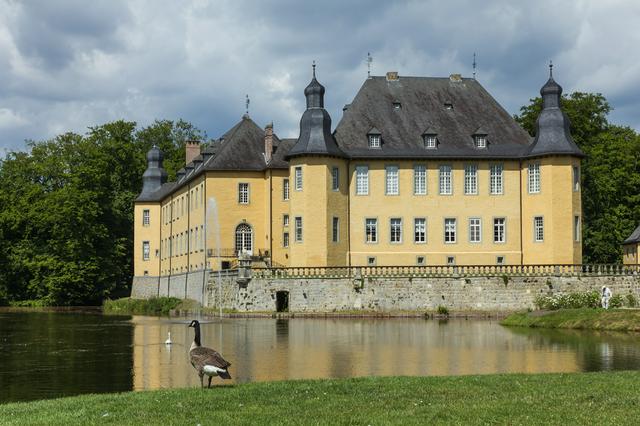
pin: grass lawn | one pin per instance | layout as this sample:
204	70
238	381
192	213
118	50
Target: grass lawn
585	318
582	398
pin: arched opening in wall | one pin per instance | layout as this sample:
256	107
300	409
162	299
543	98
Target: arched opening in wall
282	301
244	239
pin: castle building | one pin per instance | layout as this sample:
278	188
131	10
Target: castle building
419	171
631	248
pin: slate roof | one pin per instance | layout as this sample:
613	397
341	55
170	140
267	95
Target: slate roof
422	106
634	237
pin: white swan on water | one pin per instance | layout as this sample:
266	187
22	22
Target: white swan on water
168	341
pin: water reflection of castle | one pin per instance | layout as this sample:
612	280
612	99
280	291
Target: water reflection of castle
270	349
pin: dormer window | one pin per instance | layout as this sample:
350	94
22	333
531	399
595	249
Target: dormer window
397	106
374	138
480	141
430	141
448	105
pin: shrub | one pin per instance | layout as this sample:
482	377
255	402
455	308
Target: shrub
443	310
632	302
153	306
589	299
616	301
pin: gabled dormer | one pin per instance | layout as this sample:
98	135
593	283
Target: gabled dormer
430	138
374	138
480	138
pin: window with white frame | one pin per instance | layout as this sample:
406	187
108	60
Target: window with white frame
285	220
285	189
538	229
450	230
475	230
420	230
335	234
446	187
534	178
419	179
496	179
371	230
243	193
499	230
420	260
335	179
395	227
430	141
499	260
471	179
145	250
374	141
576	228
285	239
480	141
298	229
146	217
451	260
298	177
362	180
371	261
392	180
576	178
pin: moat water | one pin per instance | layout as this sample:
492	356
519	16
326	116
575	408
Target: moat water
54	354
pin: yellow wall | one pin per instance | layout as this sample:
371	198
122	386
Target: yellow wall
557	203
435	208
150	233
181	213
630	254
317	204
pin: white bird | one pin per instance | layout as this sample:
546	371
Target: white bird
168	341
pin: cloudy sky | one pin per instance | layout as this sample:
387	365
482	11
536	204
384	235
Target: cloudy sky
66	65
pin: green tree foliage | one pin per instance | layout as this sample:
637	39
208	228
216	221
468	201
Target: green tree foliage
66	218
610	173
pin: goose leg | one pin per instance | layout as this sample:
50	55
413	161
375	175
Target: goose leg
201	381
209	385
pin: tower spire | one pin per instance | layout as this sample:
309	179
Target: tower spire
550	69
313	65
474	65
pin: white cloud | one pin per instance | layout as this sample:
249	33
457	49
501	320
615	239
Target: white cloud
74	65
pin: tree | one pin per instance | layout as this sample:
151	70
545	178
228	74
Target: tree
66	218
610	173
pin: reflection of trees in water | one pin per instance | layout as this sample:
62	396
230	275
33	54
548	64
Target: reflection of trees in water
596	350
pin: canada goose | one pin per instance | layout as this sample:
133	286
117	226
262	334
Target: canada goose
206	360
168	341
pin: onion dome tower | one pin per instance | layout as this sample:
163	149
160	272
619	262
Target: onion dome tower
553	136
315	125
155	175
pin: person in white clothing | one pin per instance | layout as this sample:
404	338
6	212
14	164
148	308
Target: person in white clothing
606	295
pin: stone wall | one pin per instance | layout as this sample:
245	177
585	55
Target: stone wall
389	294
183	286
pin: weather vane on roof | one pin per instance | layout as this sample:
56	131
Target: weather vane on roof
247	101
550	69
474	65
313	65
369	61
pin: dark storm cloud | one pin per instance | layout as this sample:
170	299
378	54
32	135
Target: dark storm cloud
68	65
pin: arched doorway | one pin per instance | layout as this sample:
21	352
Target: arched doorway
244	239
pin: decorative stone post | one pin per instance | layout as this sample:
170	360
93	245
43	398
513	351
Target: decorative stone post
244	270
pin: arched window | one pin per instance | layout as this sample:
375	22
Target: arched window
244	238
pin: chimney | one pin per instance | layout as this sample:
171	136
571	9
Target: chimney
268	142
192	150
392	76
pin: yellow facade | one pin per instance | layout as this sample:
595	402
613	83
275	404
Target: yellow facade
178	222
630	254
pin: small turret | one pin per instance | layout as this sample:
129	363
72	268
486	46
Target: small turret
553	136
315	125
155	175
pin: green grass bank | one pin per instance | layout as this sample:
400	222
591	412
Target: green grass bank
580	398
584	318
154	306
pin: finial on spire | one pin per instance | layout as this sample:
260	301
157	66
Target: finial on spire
247	101
313	65
474	65
550	69
369	61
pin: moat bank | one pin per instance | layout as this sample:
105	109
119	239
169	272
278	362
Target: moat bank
383	294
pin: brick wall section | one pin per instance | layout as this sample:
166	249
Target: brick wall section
397	294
